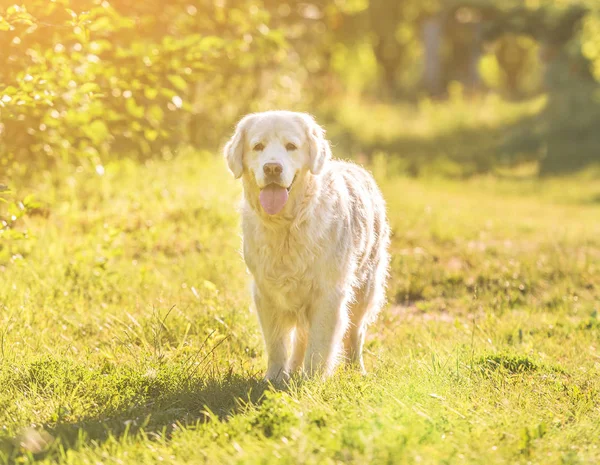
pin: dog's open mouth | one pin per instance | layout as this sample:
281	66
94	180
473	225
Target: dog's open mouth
273	197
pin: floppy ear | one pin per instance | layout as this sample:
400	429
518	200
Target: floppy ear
319	149
234	149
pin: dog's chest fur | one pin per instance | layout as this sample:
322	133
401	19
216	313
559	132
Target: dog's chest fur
282	264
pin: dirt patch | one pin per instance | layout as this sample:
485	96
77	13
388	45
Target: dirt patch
410	311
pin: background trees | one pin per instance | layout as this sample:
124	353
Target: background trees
91	79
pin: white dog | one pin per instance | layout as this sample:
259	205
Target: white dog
315	240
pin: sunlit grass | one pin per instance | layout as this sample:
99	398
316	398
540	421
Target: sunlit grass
126	334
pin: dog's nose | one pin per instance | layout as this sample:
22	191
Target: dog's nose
271	169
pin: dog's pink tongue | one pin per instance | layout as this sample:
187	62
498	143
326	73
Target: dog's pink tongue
273	198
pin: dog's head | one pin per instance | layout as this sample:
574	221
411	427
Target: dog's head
274	149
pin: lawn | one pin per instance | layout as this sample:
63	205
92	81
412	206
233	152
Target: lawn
126	334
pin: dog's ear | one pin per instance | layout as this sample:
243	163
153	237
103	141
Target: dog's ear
320	151
234	148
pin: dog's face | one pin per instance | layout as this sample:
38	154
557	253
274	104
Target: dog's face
274	149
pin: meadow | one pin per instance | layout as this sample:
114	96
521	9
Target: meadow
127	335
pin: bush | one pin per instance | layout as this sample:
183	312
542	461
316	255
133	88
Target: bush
90	79
12	235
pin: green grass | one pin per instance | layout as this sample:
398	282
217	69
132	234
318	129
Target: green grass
126	334
457	138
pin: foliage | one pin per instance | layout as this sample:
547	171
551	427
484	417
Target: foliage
590	41
87	78
93	80
12	234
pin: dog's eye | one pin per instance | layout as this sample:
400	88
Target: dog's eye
258	147
289	147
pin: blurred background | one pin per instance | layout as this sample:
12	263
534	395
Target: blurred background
446	87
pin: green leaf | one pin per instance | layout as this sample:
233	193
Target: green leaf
133	108
178	82
102	24
168	93
210	286
14	210
151	134
30	202
13	9
210	42
97	131
89	87
150	93
4	26
156	114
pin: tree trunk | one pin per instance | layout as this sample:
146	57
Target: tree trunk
474	79
433	31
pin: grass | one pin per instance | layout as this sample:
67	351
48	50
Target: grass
457	138
126	334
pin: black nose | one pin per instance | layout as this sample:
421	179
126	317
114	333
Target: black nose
273	169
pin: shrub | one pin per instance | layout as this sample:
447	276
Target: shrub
86	78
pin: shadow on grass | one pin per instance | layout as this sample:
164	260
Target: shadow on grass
562	142
155	413
459	153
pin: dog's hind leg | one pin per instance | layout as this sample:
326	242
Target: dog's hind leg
355	335
368	301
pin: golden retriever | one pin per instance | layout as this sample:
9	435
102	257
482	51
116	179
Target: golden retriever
315	239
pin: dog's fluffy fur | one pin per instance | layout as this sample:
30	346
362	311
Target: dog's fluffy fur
319	265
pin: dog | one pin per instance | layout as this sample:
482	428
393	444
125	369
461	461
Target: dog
315	239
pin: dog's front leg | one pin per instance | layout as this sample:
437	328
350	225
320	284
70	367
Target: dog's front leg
277	336
328	323
277	332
